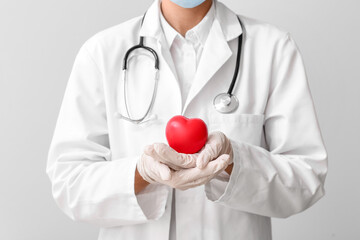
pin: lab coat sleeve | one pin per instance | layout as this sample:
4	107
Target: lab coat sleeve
289	176
87	184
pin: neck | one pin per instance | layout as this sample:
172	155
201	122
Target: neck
183	19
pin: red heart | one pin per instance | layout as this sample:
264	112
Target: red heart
186	135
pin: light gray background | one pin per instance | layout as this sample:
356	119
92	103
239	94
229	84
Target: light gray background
38	43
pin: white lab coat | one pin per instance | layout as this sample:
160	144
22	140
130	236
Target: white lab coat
280	161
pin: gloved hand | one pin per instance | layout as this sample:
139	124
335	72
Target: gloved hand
154	167
216	145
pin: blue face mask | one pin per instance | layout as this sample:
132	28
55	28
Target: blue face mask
188	3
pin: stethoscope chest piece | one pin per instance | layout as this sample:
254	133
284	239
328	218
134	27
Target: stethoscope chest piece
225	103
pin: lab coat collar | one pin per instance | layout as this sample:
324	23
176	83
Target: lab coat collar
227	18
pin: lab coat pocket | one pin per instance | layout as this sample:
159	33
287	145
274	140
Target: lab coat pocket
239	127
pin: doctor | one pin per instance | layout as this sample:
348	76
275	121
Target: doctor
264	159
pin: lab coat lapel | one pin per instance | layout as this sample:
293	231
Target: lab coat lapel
216	51
170	71
166	54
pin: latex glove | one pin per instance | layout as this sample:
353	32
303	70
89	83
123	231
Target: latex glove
155	169
187	176
216	145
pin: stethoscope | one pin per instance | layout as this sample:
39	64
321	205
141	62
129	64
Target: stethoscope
223	102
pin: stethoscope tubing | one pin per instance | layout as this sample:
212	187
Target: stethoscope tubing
229	93
237	65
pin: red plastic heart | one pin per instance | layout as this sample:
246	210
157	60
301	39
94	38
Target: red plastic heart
186	135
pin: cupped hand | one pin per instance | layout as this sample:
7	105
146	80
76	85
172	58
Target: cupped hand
160	163
216	145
